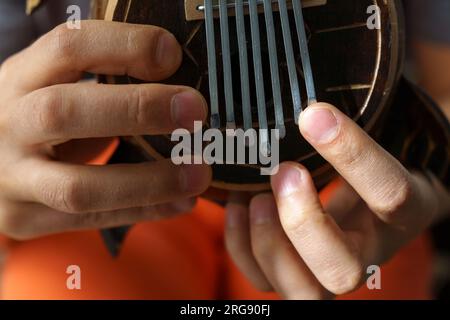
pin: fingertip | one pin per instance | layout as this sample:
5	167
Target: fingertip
318	105
168	53
195	179
289	180
187	108
319	123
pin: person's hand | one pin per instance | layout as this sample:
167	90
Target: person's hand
290	243
42	107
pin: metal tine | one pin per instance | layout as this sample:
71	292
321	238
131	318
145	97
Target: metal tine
243	59
293	78
212	64
226	58
259	78
304	51
273	58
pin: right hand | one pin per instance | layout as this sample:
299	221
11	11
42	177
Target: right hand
42	106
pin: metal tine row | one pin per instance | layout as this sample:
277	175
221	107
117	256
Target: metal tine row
257	62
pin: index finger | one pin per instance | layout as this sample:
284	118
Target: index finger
61	56
381	180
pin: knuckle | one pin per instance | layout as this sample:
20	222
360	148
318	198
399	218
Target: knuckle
349	151
133	38
139	107
145	42
45	110
295	224
342	282
67	195
298	224
71	196
60	42
395	198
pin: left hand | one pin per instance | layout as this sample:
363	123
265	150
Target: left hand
290	243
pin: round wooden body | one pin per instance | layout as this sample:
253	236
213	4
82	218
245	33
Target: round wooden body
355	68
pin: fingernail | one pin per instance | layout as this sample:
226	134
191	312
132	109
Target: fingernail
194	179
287	181
188	107
319	124
167	49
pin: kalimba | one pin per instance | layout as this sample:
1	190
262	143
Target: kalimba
259	63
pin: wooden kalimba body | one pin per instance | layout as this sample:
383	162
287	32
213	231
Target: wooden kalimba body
259	63
238	56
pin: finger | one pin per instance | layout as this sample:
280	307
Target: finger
379	178
342	201
145	52
28	220
277	257
237	239
81	189
79	111
333	258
